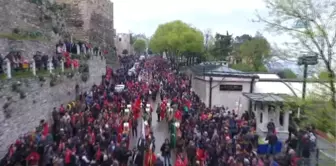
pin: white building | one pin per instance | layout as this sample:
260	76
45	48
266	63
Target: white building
218	85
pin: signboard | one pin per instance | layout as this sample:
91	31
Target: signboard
299	24
307	60
228	87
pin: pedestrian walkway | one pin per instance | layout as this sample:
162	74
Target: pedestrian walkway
327	151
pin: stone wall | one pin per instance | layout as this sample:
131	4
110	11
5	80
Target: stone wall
97	20
28	48
39	101
85	20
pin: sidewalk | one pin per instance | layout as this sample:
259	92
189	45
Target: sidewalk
326	148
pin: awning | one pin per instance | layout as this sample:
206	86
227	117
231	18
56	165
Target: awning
267	97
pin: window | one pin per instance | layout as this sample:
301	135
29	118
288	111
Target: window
261	117
119	38
228	87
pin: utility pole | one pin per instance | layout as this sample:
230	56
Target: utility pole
305	61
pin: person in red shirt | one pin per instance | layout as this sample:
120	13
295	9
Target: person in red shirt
150	158
33	159
181	160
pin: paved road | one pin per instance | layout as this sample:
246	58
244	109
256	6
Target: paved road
326	148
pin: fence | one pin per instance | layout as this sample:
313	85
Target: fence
30	68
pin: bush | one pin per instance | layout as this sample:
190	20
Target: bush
22	95
85	77
84	68
53	80
15	86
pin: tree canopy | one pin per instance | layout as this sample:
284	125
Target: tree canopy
254	52
139	46
287	73
312	27
124	52
222	46
175	38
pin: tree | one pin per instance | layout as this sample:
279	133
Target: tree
175	38
287	73
255	52
242	39
314	32
139	46
124	52
223	46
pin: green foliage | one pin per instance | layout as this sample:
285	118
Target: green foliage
321	114
53	80
124	52
248	68
310	34
255	52
85	77
84	68
23	35
222	46
287	73
176	37
139	46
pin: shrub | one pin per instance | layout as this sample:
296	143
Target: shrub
85	77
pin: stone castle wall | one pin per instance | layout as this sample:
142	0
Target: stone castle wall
39	101
85	20
97	20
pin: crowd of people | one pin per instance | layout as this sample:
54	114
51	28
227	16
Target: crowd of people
95	129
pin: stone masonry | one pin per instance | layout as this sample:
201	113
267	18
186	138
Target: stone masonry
39	102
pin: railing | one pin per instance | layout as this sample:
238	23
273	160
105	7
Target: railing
31	68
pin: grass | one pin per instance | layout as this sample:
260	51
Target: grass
13	36
29	74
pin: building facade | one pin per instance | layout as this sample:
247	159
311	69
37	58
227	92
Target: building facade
123	42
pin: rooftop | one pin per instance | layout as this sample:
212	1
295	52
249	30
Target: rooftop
218	69
267	97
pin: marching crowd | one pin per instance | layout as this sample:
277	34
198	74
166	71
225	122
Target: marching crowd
95	129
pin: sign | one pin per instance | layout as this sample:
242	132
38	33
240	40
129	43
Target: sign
228	87
307	60
299	24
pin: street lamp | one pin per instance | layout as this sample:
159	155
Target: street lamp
305	61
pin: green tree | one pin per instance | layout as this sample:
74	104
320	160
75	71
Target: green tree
175	38
287	73
255	52
313	32
139	46
222	46
124	52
